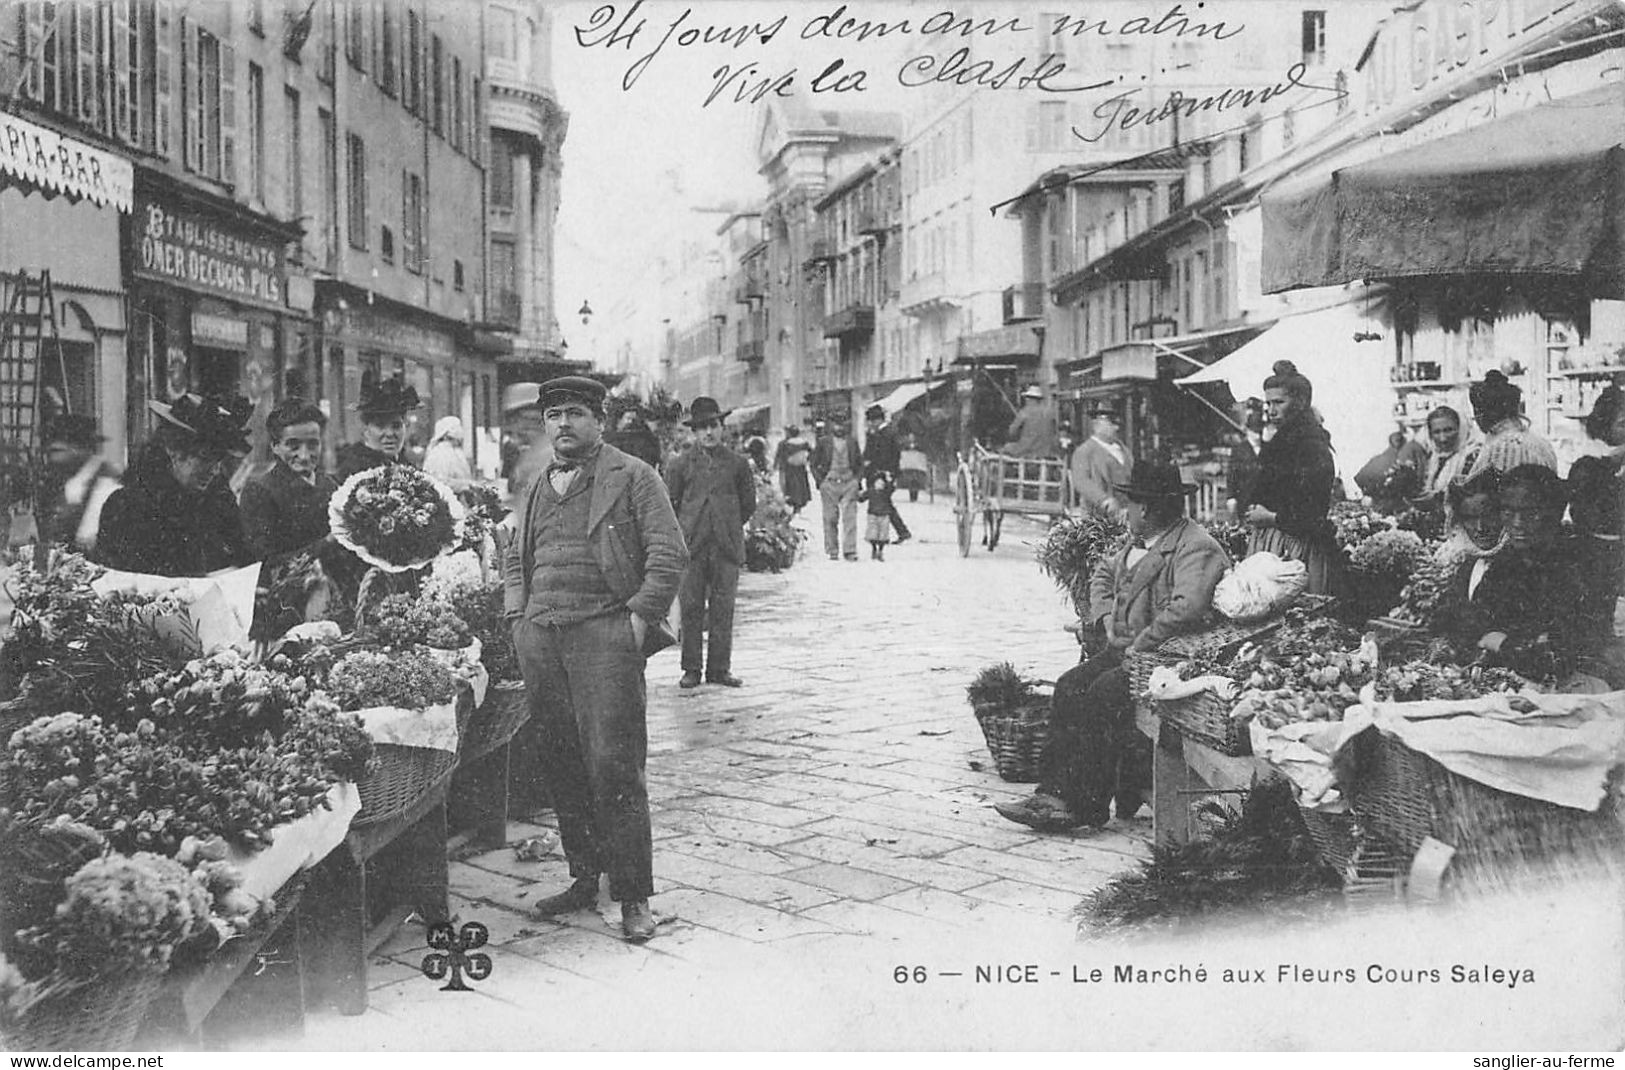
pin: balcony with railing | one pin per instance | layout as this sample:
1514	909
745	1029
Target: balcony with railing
872	221
853	321
1024	302
749	350
820	249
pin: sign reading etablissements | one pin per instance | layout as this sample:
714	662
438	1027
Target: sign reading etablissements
180	244
44	158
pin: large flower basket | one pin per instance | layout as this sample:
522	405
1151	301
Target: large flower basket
1203	717
402	774
100	1015
499	719
1015	739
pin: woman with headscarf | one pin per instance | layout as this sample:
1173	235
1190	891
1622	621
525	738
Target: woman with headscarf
175	514
383	410
1291	492
1508	441
446	460
791	462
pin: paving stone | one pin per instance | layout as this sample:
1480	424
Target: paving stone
1026	896
1074	875
783	816
737	917
703	824
849	881
777	891
900	841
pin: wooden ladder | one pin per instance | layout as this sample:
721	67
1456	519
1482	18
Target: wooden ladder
28	335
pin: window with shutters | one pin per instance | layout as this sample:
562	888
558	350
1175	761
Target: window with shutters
89	69
357	42
293	141
457	122
476	125
388	49
356	190
323	34
256	132
412	229
437	85
209	103
412	70
501	174
386	244
328	204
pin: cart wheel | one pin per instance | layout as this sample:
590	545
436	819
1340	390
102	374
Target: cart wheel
994	521
964	515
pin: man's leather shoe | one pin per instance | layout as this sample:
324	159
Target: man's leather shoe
637	921
904	537
581	895
690	679
726	679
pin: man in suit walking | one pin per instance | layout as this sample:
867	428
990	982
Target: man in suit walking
714	495
1102	463
883	454
1158	586
837	464
588	578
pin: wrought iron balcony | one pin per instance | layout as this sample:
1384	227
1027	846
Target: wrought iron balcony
853	320
1024	302
749	351
818	251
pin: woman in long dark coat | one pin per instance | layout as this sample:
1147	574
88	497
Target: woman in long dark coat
1291	494
175	514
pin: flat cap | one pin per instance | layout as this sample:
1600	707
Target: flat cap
574	388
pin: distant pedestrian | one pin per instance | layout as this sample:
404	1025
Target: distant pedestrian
446	459
1102	463
883	453
756	453
714	494
791	463
877	493
77	483
837	464
914	469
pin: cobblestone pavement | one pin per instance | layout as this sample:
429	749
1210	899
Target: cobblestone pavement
816	829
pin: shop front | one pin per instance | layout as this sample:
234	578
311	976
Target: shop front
208	298
61	201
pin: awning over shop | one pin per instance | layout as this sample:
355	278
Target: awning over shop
1537	193
37	158
745	415
1350	378
899	399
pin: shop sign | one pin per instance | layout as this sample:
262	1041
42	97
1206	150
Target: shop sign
370	330
221	331
1132	361
1437	39
182	245
44	158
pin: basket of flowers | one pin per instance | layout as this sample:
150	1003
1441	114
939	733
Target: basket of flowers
403	690
505	709
107	944
1014	716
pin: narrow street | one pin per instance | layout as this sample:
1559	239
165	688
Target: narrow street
827	823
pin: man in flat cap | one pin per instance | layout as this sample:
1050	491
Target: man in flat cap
714	495
589	577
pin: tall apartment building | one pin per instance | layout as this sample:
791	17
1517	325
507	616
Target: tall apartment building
284	207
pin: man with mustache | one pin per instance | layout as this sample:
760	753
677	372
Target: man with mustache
588	578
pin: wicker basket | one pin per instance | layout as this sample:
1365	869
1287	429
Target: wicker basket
1203	717
402	776
1500	839
1336	837
505	711
102	1015
1016	740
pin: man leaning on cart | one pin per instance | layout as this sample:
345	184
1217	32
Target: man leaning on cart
1158	586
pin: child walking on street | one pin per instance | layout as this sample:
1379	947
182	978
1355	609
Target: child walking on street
877	493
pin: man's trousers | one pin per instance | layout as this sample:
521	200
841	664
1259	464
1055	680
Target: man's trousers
706	602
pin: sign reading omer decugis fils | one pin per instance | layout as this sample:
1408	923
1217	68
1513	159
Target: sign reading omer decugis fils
180	244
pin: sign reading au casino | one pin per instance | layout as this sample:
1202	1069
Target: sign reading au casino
180	244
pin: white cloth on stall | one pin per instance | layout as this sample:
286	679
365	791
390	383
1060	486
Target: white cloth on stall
431	726
297	844
1556	748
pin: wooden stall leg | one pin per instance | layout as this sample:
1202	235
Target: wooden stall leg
268	999
333	934
416	863
479	798
1171	778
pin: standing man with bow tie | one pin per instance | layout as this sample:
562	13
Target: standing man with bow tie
588	578
714	495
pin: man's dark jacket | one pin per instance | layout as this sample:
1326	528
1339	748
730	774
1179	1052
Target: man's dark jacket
824	453
282	513
717	481
881	452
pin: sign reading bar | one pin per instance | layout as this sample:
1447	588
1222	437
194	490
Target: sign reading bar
183	245
45	158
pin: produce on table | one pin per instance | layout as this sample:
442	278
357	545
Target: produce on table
1427	595
1418	680
1355	522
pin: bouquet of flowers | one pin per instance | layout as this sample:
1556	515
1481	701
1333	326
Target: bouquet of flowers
480	607
395	517
399	620
404	679
1072	549
122	913
484	511
1389	554
1354	523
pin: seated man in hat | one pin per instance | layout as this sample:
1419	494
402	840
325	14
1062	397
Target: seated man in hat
383	410
1158	586
1102	462
587	581
714	494
883	458
1035	432
77	483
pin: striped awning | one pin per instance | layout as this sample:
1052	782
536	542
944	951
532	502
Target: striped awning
38	158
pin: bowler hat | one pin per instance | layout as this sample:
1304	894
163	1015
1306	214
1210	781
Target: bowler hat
73	430
589	392
704	410
392	397
1153	480
214	423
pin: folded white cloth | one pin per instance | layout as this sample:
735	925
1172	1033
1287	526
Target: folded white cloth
432	726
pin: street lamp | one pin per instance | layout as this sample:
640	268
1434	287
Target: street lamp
585	312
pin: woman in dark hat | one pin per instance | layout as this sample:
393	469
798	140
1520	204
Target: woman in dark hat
1291	492
383	412
1508	441
175	514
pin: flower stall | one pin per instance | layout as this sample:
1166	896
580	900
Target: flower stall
184	772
